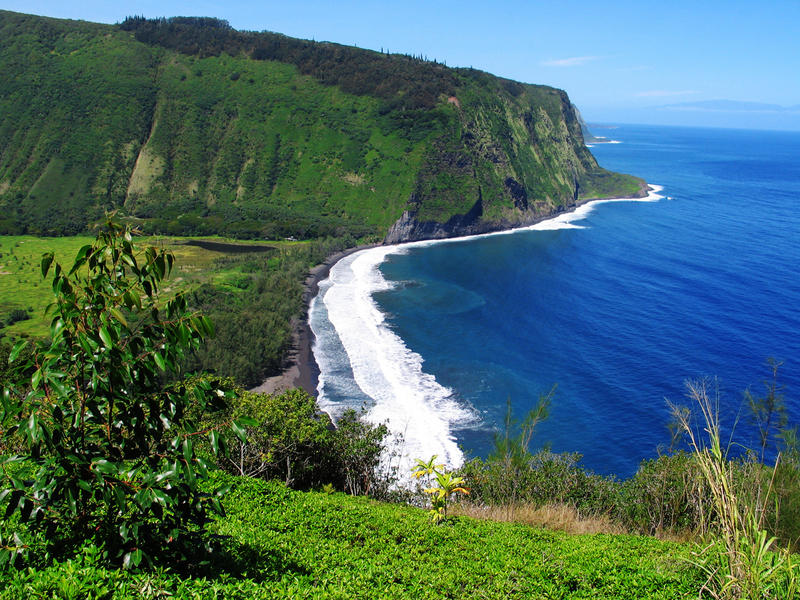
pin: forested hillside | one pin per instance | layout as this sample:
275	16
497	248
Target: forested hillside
190	127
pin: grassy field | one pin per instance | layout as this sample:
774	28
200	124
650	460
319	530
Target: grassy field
22	286
278	543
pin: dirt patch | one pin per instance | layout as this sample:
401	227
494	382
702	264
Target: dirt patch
353	178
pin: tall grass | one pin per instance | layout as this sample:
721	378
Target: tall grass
739	558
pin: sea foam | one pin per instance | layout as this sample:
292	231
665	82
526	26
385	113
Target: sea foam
353	339
415	407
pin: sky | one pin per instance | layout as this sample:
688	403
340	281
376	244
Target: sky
620	62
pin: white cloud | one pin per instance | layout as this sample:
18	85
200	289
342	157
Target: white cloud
574	61
665	93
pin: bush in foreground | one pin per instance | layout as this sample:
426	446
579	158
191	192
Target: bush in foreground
108	451
291	440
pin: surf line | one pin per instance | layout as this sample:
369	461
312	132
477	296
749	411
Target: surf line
419	412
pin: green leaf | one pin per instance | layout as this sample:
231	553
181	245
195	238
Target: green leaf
240	432
106	337
47	260
33	428
216	505
160	497
159	361
118	316
246	421
119	498
208	326
18	347
106	467
56	328
36	378
187	449
130	260
80	258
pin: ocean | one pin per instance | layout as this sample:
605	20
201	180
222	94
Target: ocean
617	305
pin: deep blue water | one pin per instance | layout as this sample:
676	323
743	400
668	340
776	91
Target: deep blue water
619	312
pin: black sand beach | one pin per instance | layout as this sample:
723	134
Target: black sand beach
301	369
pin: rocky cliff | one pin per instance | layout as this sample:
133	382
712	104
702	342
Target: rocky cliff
517	156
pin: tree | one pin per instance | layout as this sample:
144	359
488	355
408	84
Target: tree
512	450
768	411
107	422
290	442
446	484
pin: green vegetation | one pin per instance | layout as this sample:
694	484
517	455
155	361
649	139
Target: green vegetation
740	510
293	442
253	302
446	485
107	451
21	283
192	128
670	495
279	543
251	296
741	561
188	127
22	286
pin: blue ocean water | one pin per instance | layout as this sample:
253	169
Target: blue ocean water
618	308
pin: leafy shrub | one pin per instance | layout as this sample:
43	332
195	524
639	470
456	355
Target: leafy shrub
108	451
741	561
18	314
359	447
513	475
293	441
665	494
544	478
443	485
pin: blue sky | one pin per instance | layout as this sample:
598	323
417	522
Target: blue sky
618	61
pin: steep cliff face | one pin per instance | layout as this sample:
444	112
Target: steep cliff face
515	156
186	126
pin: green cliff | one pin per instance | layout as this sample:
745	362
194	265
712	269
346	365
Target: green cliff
187	126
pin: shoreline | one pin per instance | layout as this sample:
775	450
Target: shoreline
301	369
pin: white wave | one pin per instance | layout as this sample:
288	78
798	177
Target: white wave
410	401
601	139
566	220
